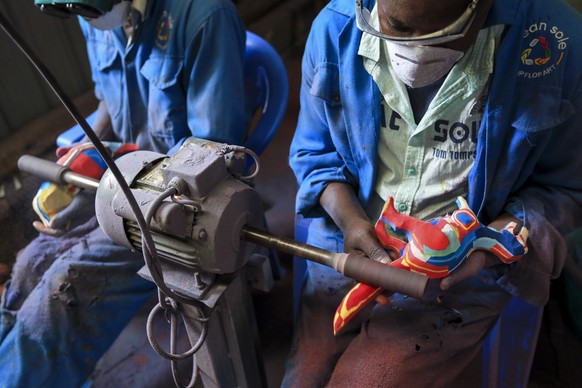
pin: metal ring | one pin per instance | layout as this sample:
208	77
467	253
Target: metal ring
170	356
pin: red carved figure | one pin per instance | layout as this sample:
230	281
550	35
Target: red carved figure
435	248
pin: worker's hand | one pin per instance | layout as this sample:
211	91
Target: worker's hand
340	201
479	259
360	238
60	206
77	211
101	125
476	261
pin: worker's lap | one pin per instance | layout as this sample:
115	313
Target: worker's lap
409	339
429	341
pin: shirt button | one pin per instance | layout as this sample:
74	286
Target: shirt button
402	207
411	171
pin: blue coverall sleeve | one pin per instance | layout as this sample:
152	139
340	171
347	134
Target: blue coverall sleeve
87	33
314	156
535	159
555	188
214	58
550	204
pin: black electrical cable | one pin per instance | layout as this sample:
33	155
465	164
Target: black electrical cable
147	240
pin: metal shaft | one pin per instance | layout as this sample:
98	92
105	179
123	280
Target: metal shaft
266	239
81	181
354	266
54	172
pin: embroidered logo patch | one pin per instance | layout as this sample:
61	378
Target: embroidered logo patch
544	51
165	27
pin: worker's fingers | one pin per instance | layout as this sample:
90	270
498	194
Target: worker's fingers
361	239
378	253
393	254
470	267
373	249
382	298
79	210
42	228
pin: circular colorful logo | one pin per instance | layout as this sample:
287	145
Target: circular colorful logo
544	50
165	27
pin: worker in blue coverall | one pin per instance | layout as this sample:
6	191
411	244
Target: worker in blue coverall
163	70
425	101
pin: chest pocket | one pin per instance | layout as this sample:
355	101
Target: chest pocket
167	113
325	84
106	55
539	108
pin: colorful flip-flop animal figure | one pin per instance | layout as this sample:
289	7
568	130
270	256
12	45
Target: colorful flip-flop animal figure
435	248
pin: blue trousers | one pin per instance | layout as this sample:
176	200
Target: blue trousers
409	342
67	301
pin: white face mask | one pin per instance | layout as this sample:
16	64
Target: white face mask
114	18
418	66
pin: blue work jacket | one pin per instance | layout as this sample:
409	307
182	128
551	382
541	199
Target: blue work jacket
529	151
169	82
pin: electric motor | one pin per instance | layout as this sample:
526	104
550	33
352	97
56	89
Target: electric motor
200	227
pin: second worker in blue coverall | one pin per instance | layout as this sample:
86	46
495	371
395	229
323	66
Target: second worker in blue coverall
163	70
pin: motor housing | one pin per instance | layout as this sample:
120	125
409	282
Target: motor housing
198	230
